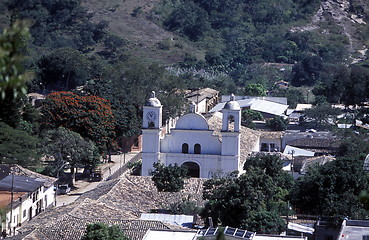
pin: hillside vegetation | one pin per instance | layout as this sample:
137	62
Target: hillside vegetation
121	50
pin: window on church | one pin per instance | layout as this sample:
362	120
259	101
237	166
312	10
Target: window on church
184	148
197	148
230	119
230	123
151	125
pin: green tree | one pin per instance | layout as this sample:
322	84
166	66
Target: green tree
63	69
248	116
356	90
307	71
277	123
30	119
185	206
90	116
252	201
127	86
101	231
18	147
189	20
255	89
13	78
68	146
322	113
332	189
170	178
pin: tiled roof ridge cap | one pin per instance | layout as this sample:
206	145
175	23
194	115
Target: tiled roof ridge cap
88	201
112	188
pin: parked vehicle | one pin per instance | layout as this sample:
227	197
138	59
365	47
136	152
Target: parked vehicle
96	175
64	189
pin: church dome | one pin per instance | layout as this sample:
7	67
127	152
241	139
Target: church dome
232	104
192	121
152	101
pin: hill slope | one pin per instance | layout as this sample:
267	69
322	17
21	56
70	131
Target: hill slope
143	35
134	21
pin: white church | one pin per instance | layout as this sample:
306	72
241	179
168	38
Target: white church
190	142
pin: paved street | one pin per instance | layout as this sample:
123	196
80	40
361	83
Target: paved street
82	186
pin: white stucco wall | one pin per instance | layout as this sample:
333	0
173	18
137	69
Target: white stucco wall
201	106
192	129
192	121
27	203
208	163
49	193
269	141
172	143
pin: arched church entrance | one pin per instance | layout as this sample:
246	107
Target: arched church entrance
193	169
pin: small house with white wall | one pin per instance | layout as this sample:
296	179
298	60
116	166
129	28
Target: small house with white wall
24	194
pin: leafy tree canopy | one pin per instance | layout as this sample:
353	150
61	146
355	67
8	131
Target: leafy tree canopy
255	89
18	147
101	231
127	86
251	201
322	113
277	123
12	76
248	116
90	116
58	23
332	189
68	146
63	69
170	178
185	206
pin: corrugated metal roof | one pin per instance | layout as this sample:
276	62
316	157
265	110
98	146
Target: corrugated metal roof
20	183
180	220
257	105
297	151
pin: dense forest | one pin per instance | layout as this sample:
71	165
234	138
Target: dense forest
96	78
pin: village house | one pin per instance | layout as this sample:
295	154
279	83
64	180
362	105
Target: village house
24	194
205	99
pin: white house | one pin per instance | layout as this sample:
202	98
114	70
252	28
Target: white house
191	142
24	194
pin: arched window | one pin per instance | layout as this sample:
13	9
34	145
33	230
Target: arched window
151	125
230	123
197	149
184	148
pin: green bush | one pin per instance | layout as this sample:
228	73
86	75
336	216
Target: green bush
170	178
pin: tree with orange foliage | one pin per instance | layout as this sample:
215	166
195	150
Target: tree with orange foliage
90	116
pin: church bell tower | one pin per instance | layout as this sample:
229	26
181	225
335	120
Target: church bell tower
231	126
151	129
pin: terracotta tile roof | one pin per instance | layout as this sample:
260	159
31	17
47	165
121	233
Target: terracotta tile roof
317	143
271	134
114	202
5	197
139	194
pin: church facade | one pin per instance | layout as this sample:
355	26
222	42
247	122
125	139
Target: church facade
191	143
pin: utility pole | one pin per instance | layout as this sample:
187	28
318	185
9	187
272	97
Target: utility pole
57	184
288	210
11	201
